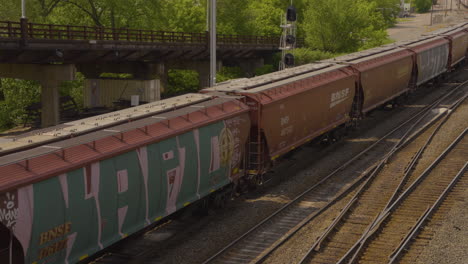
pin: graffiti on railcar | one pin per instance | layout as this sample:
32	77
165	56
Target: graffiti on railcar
9	209
67	218
232	144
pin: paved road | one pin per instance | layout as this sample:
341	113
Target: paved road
418	24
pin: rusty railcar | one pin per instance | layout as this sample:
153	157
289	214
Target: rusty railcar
70	129
458	37
66	200
432	57
384	73
459	45
291	112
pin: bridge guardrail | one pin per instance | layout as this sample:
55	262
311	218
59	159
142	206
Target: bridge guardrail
36	31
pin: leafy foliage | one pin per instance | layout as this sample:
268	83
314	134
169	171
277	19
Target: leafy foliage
306	55
267	68
18	94
228	73
338	30
181	82
423	6
389	10
74	89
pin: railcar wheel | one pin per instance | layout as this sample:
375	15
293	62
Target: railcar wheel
259	180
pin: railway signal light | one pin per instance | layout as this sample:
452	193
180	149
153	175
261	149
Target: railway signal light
291	14
290	39
289	60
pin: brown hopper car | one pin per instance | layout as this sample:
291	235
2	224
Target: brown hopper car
431	58
290	113
383	75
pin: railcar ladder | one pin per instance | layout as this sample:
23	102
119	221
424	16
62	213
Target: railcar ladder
256	154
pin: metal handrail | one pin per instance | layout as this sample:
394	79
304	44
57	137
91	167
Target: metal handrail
37	31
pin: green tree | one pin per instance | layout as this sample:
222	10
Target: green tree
233	17
423	6
264	16
10	10
18	94
228	73
181	82
174	15
330	26
389	10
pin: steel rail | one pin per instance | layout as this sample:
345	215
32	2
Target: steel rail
421	150
385	213
317	244
413	232
347	207
260	258
359	245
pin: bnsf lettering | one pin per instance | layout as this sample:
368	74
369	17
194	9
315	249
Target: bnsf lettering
338	97
58	231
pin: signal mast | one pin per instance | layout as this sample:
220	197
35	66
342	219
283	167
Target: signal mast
288	37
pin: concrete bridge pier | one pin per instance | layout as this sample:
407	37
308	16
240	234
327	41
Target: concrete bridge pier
50	77
50	100
146	81
106	92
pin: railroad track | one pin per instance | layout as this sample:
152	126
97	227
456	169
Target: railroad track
384	239
389	243
422	238
255	245
348	234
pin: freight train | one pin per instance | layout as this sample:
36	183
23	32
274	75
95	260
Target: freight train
72	190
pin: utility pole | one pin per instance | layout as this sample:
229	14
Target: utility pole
23	23
446	7
207	16
432	10
213	43
23	9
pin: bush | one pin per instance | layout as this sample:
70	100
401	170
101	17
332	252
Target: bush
181	82
18	95
74	89
228	73
267	68
305	55
423	6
